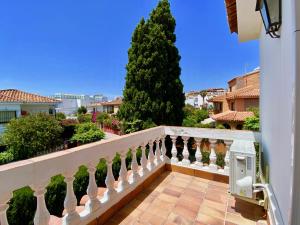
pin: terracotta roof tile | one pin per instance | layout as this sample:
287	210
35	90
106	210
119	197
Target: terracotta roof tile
13	95
246	92
219	98
117	101
232	116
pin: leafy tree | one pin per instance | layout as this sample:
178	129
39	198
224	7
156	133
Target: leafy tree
87	133
84	118
82	110
203	95
60	116
29	135
253	122
153	90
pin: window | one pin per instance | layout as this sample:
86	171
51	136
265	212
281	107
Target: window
232	106
6	116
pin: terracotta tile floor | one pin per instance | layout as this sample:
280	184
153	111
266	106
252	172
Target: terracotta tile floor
176	198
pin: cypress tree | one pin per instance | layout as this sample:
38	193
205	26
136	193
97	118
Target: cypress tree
153	91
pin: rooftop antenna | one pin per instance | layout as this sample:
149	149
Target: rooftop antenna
245	68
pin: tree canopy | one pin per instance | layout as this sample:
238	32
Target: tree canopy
153	91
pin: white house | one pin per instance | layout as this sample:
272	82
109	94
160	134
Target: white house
14	103
69	103
277	28
195	99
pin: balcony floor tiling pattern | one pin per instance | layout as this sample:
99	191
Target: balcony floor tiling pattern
175	198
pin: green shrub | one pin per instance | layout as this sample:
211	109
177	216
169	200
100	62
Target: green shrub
22	207
220	126
101	173
81	182
27	136
82	110
84	118
87	133
69	126
55	195
101	117
60	116
189	122
200	115
205	157
252	123
220	159
6	157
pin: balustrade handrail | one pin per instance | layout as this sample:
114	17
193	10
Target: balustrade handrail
212	133
37	172
40	169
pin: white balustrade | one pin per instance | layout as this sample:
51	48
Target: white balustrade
144	170
163	148
4	198
228	143
38	171
185	152
157	152
72	217
174	158
213	157
123	182
42	215
93	203
151	164
134	166
198	154
109	181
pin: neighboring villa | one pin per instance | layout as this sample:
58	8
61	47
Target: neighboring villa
232	108
195	99
71	102
111	107
14	103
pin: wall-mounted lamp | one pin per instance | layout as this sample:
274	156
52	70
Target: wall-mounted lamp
270	11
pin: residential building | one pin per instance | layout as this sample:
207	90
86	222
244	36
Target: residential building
191	192
231	109
111	107
279	97
69	103
14	103
195	99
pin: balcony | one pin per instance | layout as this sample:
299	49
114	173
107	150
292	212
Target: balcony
179	189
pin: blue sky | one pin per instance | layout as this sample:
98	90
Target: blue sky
74	46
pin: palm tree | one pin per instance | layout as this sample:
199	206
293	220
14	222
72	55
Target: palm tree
203	95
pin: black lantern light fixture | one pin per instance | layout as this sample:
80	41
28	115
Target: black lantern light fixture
270	11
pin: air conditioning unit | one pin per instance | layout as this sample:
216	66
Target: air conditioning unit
242	168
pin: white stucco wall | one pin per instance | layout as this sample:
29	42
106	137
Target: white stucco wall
277	78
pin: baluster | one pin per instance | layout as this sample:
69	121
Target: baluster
109	181
93	203
163	148
212	156
157	152
72	217
123	182
3	207
185	152
198	154
134	166
42	215
144	160
174	158
227	156
151	156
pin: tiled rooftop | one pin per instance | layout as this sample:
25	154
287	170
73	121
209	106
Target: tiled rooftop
174	198
232	116
13	95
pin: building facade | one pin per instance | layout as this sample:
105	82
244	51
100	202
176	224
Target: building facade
231	109
279	101
111	107
69	103
14	103
196	99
